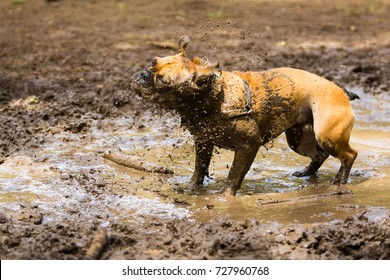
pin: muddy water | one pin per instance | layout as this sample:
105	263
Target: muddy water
69	174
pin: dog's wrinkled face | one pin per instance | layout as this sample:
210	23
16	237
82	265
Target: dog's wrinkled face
172	75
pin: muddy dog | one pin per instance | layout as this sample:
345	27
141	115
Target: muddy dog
242	111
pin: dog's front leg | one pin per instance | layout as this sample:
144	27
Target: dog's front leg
243	159
203	153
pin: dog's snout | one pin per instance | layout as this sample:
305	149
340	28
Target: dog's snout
142	79
145	75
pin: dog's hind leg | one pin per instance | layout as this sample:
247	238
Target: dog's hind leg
333	135
347	157
343	152
301	139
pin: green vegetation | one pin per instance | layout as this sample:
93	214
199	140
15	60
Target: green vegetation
216	14
19	1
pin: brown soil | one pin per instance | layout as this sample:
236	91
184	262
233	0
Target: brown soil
64	64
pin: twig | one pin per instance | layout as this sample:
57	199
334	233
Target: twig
136	163
97	245
308	197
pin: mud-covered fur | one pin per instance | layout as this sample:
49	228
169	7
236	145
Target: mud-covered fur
242	111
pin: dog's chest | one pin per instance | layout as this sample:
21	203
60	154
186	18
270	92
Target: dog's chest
223	131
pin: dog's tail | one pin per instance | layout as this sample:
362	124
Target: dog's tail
351	95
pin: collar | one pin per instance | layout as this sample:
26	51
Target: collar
248	98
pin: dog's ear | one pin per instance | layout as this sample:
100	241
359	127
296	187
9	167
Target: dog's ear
183	44
214	65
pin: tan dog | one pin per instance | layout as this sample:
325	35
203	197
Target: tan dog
242	111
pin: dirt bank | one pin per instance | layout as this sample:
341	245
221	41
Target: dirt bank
64	75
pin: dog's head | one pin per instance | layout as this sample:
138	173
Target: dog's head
174	78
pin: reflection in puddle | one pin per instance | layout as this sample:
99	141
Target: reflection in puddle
69	172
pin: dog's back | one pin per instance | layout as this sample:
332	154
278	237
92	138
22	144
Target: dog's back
315	113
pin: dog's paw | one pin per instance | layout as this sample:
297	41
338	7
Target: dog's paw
196	188
301	173
336	181
226	192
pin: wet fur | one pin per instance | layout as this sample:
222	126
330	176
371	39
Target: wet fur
314	113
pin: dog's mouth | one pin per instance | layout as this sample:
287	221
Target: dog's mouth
142	83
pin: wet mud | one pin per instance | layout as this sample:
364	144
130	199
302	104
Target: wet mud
65	102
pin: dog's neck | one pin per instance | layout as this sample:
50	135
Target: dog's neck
204	101
220	98
213	96
192	101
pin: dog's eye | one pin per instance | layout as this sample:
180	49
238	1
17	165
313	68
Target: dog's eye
161	79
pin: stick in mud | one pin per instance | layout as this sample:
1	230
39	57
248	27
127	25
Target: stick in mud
136	163
344	192
97	245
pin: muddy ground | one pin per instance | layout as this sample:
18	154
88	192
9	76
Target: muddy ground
64	73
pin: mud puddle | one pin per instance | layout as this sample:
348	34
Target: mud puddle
69	172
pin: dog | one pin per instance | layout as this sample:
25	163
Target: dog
242	111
